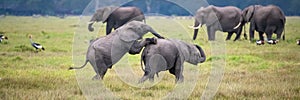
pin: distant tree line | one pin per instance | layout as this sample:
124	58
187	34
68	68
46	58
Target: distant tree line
75	7
43	7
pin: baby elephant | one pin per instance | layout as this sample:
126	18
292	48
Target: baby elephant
169	54
108	50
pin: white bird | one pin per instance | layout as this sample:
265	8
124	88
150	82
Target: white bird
2	37
36	45
260	42
273	41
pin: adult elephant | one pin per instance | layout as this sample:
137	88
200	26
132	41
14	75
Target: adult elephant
169	54
226	19
115	17
265	19
108	50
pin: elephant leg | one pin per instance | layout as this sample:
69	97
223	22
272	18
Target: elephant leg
102	69
178	75
151	77
261	36
229	35
269	31
211	33
178	71
279	33
146	75
238	34
99	66
251	31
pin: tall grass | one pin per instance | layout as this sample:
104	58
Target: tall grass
251	72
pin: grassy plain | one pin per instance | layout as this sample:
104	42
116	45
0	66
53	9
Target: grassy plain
251	72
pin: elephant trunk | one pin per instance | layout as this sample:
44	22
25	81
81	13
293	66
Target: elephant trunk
197	25
90	27
155	33
202	57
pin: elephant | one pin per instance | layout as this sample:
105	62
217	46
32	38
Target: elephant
105	51
115	17
226	19
169	54
265	19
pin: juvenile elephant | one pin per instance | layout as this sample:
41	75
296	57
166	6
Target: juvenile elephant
169	54
115	17
226	19
108	50
265	19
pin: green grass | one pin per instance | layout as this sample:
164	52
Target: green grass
251	72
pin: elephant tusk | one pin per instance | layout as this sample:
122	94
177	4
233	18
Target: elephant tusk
195	27
237	26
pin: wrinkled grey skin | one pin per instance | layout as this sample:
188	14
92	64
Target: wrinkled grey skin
115	17
265	19
226	19
169	54
108	50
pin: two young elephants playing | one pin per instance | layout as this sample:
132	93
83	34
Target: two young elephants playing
107	50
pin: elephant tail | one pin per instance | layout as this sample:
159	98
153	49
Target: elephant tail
86	61
283	22
283	37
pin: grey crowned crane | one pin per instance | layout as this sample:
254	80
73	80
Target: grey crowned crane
2	37
37	46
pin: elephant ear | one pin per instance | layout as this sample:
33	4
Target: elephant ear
212	16
107	11
128	35
183	48
249	13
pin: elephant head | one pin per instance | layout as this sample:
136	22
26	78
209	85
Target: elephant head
193	54
197	57
101	15
203	16
249	12
134	30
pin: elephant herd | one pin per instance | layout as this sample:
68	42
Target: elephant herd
263	19
160	54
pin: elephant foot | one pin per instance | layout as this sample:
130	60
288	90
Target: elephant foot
179	81
151	80
260	42
142	80
96	77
